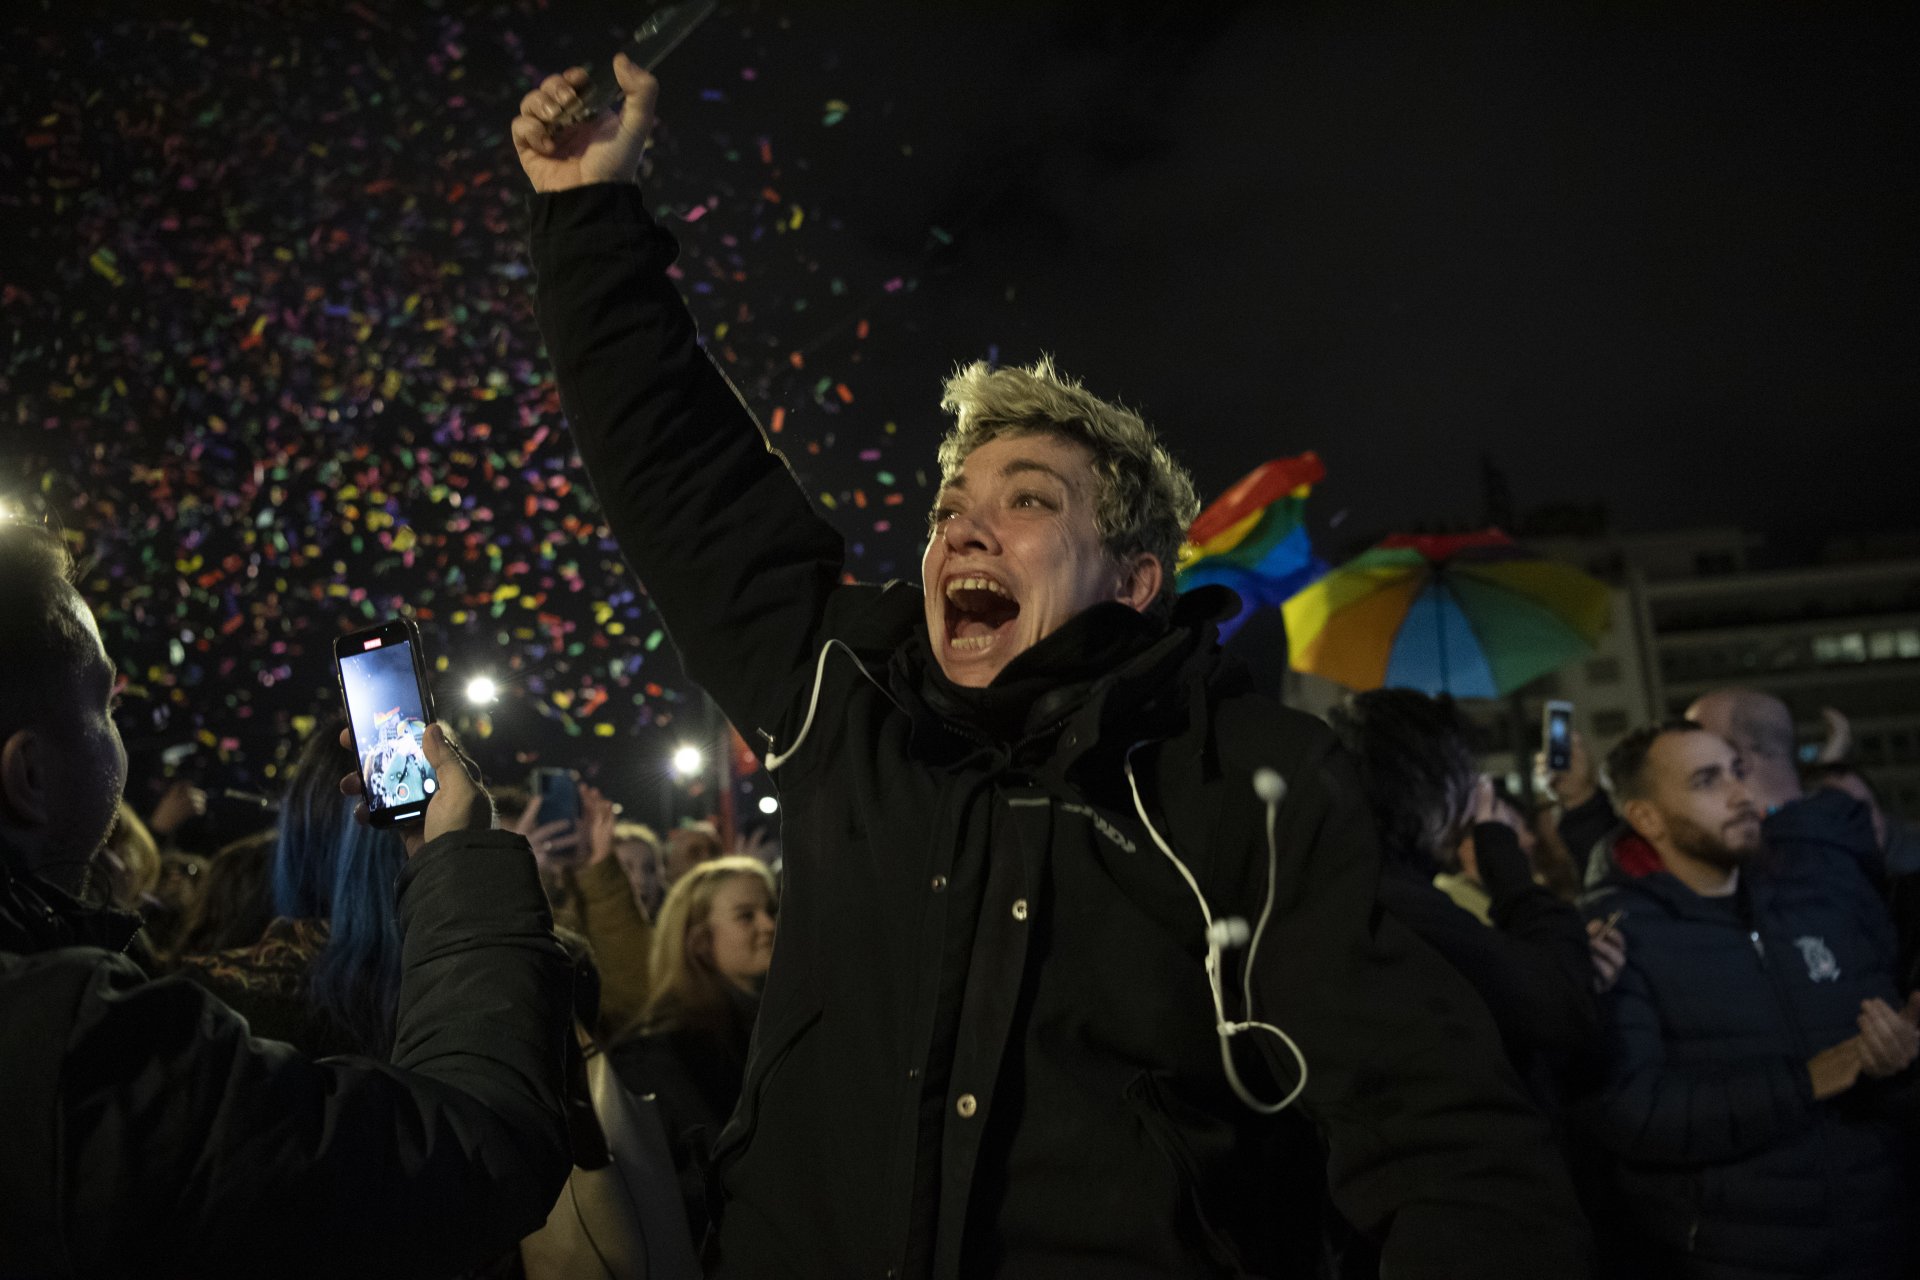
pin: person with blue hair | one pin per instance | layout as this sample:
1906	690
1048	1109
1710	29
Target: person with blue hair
326	974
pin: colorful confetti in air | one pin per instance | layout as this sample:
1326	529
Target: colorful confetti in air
272	362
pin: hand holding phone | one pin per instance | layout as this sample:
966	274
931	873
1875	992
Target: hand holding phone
655	38
459	804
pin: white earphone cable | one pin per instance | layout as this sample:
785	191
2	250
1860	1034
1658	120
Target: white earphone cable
1272	790
774	759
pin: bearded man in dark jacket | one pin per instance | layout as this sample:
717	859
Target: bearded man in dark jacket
1761	1094
1068	912
144	1132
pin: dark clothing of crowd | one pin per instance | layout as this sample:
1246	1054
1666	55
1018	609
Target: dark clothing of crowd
1725	1159
694	1072
1531	967
1721	1163
147	1132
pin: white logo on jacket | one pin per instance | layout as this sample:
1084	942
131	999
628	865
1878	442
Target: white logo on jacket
1101	825
1821	964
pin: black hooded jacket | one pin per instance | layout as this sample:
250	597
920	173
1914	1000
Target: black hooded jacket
987	1043
144	1132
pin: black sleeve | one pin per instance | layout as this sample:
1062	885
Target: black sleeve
1544	969
706	513
189	1145
1583	829
1432	1141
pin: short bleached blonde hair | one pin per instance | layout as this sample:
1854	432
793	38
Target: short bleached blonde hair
1144	501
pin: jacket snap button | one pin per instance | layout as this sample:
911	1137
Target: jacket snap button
1020	909
939	884
966	1105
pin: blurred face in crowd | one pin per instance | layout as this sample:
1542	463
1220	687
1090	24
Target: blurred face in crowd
739	931
1014	553
640	859
61	778
182	880
686	849
1697	803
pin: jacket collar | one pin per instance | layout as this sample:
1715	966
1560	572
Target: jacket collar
1632	875
36	915
1107	674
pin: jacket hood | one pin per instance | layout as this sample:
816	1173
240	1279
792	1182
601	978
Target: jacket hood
1825	816
1632	857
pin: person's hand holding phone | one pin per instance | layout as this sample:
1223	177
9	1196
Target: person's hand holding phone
459	804
1578	782
554	843
604	148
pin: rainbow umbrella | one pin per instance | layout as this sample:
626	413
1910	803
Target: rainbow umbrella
1472	615
1253	538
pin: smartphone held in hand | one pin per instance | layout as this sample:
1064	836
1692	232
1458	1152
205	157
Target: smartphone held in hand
559	794
1557	730
383	679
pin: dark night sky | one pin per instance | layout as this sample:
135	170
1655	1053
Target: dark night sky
1656	256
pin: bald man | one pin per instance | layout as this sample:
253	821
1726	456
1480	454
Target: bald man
1760	727
1802	831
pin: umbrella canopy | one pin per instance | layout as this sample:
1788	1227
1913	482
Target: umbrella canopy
1471	615
1253	538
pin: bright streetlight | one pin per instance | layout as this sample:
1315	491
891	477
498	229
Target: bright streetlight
688	761
769	805
481	690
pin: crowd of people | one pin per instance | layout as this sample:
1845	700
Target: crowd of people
1090	960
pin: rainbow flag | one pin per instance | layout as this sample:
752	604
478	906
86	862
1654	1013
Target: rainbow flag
1253	538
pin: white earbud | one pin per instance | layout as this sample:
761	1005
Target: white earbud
1269	786
1229	933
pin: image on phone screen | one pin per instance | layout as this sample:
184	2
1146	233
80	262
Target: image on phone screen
389	725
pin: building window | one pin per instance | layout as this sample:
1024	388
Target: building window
1906	644
1880	646
1609	724
1848	646
1603	671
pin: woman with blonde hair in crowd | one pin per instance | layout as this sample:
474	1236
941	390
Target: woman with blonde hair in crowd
712	944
